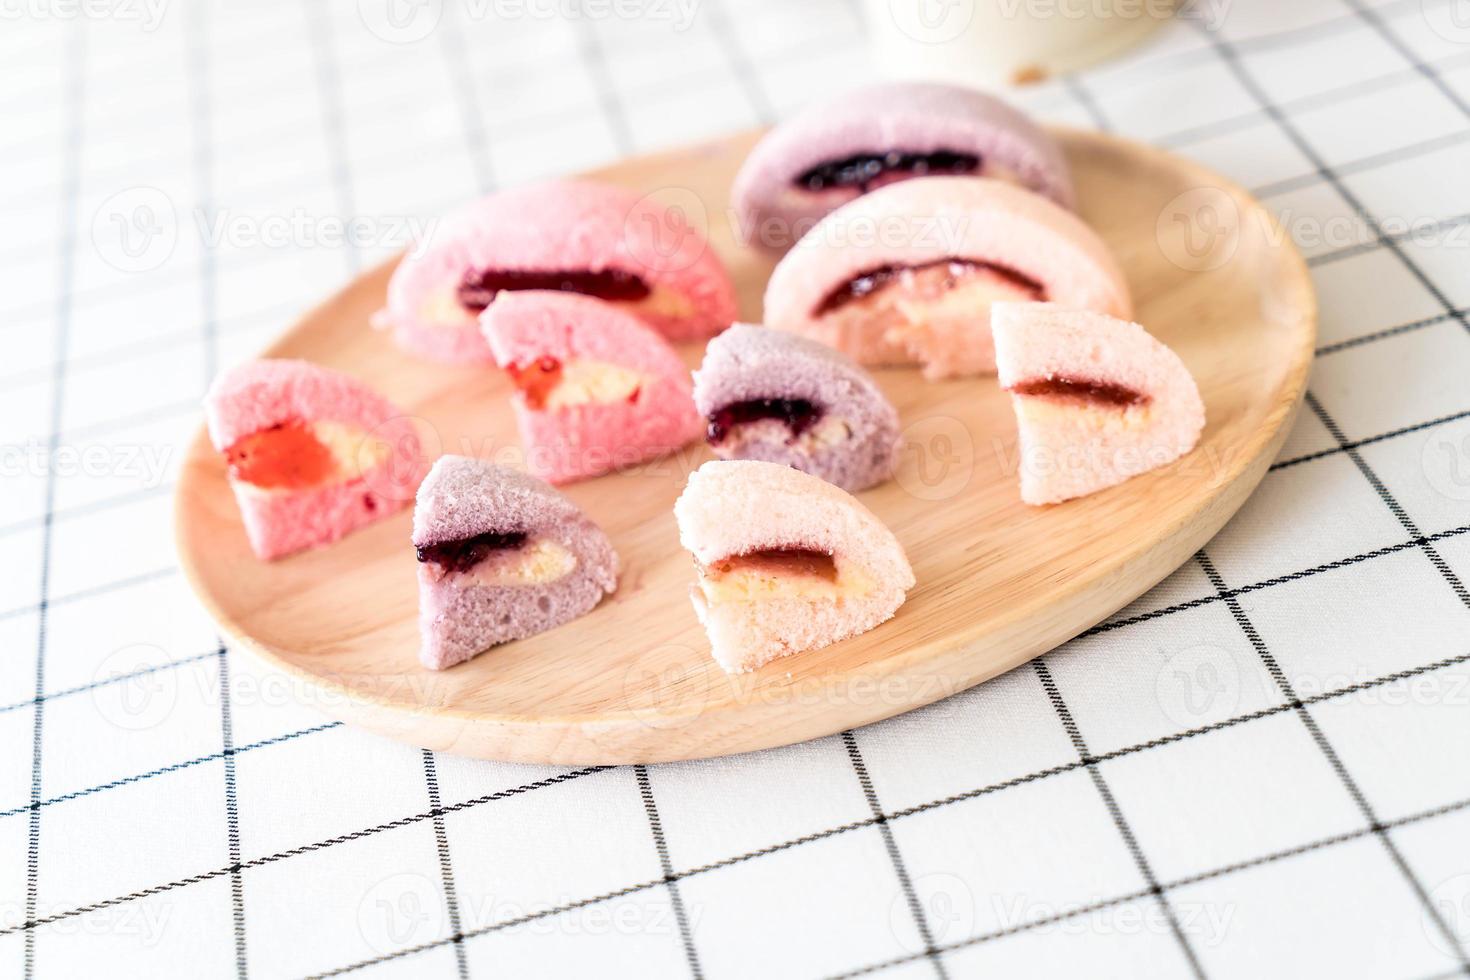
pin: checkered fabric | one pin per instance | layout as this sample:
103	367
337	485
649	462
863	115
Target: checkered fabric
1258	769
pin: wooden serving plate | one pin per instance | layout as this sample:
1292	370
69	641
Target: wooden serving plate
998	582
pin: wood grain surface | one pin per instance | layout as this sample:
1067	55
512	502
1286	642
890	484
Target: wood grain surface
998	582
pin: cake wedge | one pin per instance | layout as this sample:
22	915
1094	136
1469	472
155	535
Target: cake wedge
1098	400
502	556
787	562
596	389
313	454
768	394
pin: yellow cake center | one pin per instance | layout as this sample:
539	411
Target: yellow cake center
829	431
594	382
1098	419
537	562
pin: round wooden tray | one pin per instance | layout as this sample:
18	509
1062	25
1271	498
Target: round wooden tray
998	582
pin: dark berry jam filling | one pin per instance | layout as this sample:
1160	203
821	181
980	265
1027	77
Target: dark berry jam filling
287	456
780	563
1102	392
862	170
536	380
798	414
478	287
874	280
466	553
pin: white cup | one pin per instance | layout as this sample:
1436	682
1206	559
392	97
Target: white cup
999	42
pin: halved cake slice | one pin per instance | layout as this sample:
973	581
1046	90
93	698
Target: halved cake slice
870	137
502	556
771	395
313	453
1098	400
597	388
908	273
575	236
787	562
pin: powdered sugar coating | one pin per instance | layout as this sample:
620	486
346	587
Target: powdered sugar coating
750	362
911	117
558	225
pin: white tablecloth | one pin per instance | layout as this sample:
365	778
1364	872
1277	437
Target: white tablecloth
1257	770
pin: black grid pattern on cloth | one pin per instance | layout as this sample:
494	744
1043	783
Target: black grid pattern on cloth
476	140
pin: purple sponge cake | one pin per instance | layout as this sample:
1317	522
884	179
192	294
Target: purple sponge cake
313	454
573	236
771	395
787	562
843	148
502	556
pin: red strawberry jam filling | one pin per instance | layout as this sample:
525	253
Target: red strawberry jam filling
780	563
536	380
287	456
865	171
1099	392
478	287
463	554
797	414
939	275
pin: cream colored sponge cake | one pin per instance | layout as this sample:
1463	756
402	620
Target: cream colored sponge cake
787	562
907	274
1098	400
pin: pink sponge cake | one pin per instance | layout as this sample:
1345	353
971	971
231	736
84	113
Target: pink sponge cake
574	236
907	273
312	453
787	562
597	389
771	395
502	556
1097	400
866	139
